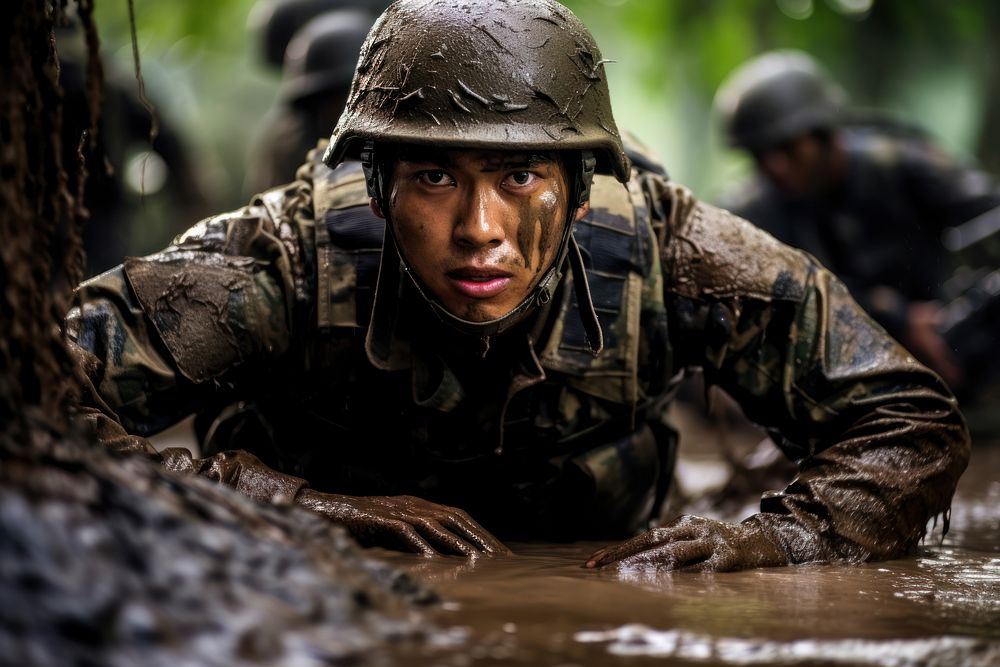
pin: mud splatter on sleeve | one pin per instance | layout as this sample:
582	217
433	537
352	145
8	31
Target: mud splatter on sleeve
131	377
878	438
158	335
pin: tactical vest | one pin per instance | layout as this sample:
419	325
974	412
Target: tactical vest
585	420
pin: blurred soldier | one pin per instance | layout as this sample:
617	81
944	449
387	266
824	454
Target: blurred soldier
474	298
318	66
870	200
275	22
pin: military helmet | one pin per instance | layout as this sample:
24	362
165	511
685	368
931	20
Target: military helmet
776	97
495	74
322	55
275	22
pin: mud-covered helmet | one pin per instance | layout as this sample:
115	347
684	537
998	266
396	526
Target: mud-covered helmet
323	54
275	22
776	97
484	74
496	74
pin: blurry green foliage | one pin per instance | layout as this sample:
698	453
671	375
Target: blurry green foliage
203	74
927	62
930	61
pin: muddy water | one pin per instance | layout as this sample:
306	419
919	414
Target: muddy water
940	607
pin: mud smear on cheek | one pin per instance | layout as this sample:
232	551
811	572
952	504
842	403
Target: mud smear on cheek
551	226
539	228
527	230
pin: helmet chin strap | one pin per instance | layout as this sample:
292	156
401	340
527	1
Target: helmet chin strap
540	295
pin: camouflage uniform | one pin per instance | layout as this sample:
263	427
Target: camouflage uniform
273	305
881	230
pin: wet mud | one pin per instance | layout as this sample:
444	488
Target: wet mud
114	561
939	607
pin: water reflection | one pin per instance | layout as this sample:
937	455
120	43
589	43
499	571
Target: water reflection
638	640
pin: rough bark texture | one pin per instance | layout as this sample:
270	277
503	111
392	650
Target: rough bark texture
41	255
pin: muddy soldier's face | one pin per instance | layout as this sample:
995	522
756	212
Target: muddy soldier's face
800	166
479	228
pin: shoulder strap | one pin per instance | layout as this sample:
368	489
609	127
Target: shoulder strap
348	246
614	246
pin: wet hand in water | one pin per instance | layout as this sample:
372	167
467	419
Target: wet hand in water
405	522
693	542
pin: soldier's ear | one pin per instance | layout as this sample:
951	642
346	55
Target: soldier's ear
582	211
376	209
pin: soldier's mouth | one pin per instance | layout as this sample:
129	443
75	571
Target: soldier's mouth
479	283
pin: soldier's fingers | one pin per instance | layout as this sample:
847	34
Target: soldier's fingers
719	562
445	541
595	557
467	527
409	537
674	555
644	542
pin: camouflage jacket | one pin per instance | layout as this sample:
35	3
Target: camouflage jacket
881	230
271	310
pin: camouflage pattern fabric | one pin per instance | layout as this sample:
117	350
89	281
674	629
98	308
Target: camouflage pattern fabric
270	309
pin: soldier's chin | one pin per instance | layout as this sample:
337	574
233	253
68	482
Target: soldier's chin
477	313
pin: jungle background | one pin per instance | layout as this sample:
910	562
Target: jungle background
928	62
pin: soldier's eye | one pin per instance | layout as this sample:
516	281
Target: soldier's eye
521	178
435	178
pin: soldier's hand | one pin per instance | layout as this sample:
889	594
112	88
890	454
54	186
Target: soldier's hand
693	542
404	522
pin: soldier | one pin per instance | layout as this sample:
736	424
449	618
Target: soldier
869	198
475	299
273	23
318	68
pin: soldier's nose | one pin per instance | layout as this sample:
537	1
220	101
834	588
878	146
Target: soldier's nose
479	221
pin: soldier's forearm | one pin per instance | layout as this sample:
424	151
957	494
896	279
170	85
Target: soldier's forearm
870	496
111	435
238	470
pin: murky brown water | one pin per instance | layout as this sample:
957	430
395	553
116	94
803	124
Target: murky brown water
941	607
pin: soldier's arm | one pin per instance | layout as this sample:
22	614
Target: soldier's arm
878	438
156	337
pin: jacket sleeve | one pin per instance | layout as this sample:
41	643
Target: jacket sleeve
878	438
157	336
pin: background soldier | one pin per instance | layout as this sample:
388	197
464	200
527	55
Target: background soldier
275	22
868	197
318	67
491	307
